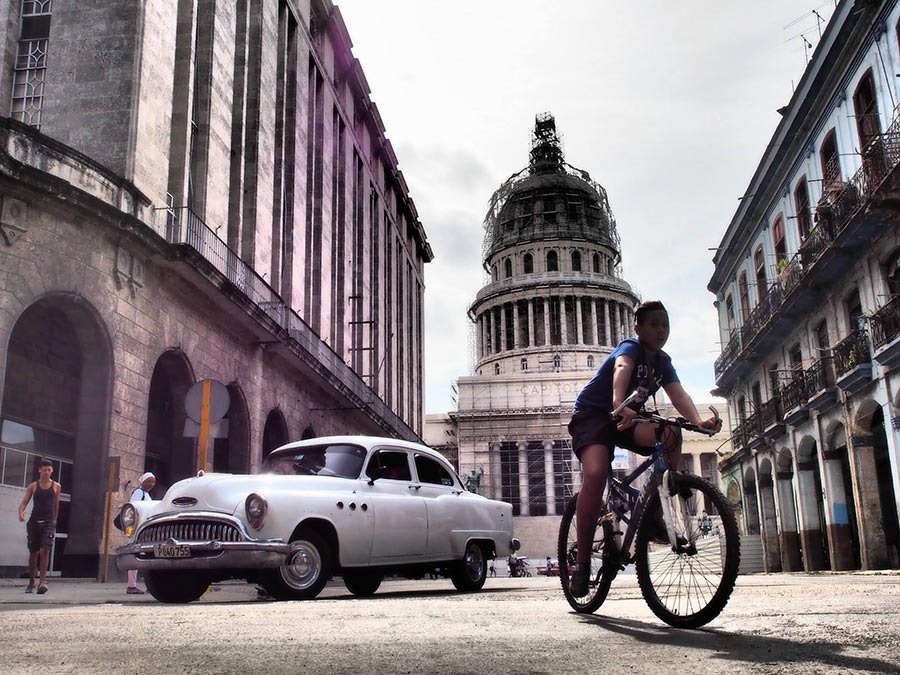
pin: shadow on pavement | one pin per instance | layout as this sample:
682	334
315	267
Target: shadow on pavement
749	648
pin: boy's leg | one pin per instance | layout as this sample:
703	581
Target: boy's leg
595	471
645	436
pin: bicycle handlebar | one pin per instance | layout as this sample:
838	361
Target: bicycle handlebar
645	417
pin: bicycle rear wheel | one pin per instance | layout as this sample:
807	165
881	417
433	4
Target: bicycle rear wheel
690	586
567	551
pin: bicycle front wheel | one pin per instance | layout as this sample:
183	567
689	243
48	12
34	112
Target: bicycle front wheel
688	585
567	552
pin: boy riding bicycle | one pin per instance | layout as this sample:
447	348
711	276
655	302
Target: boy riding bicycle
635	364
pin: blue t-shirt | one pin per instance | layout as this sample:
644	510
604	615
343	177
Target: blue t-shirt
598	393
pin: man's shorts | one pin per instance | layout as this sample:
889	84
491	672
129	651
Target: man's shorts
591	426
40	535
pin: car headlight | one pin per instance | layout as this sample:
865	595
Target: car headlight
129	519
256	507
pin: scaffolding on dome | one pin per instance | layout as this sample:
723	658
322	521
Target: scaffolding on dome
517	210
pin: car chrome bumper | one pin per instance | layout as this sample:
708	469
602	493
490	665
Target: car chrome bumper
205	555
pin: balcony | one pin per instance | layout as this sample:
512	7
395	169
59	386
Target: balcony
852	362
846	217
818	382
885	327
794	399
755	437
772	418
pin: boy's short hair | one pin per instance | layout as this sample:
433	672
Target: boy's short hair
645	308
46	462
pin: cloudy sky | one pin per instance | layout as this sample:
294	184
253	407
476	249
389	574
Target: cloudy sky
668	105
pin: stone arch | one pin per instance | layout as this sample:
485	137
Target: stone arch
57	401
769	515
788	527
232	454
843	527
813	526
275	432
167	453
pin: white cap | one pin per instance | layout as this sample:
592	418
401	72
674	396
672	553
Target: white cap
145	476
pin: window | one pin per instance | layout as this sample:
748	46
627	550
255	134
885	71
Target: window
432	472
741	409
795	359
524	364
557	363
865	107
831	167
759	263
729	314
494	275
496	369
596	263
822	342
780	245
773	379
507	268
528	263
576	261
590	361
552	262
745	297
31	62
801	204
390	464
853	305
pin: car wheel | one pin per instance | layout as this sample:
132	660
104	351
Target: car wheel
176	587
362	582
470	573
306	570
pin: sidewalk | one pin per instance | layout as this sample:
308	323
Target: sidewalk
63	591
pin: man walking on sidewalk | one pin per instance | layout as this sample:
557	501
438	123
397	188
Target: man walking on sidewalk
42	523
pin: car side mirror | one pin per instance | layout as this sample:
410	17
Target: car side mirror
376	473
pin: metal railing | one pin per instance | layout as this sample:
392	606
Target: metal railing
819	376
834	212
885	323
794	393
771	412
850	352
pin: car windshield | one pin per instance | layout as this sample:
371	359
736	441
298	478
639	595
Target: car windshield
342	460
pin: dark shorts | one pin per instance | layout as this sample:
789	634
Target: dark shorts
40	534
595	427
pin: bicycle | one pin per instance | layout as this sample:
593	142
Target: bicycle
685	581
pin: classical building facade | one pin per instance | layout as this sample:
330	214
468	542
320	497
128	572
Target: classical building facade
192	190
806	280
555	306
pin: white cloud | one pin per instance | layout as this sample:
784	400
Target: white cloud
668	105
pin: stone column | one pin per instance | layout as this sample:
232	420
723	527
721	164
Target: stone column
592	321
790	539
479	337
812	538
497	472
549	477
531	323
523	479
546	321
607	327
517	324
579	324
769	523
837	516
502	328
563	332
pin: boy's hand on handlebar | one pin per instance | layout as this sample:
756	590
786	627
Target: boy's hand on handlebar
626	419
713	424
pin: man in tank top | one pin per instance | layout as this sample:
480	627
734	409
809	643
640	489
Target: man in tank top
42	523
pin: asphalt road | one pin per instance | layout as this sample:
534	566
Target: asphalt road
827	623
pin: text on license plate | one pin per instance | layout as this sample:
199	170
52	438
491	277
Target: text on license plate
172	551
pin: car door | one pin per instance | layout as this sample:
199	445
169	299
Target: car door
401	523
445	506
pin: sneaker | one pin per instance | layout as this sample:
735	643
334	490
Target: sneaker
134	590
578	583
41	589
29	588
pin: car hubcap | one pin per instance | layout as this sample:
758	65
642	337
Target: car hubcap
474	562
303	566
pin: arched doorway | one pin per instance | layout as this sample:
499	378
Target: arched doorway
769	515
167	453
308	433
843	529
733	494
232	454
751	504
791	558
56	404
275	432
877	496
813	529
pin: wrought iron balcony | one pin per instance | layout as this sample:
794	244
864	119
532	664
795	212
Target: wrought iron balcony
885	323
772	417
793	394
851	352
835	213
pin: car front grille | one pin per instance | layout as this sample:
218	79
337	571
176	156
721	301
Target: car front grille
190	530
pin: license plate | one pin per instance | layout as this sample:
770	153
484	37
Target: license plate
172	551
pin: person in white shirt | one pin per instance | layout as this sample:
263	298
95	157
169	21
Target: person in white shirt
147	481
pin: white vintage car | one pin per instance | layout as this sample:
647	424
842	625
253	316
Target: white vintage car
354	506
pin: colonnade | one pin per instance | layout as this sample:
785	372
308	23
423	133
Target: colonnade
523	474
551	320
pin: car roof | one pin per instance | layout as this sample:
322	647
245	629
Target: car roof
368	442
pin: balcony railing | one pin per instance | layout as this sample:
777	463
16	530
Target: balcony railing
819	376
850	352
885	323
739	437
771	412
794	393
834	212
